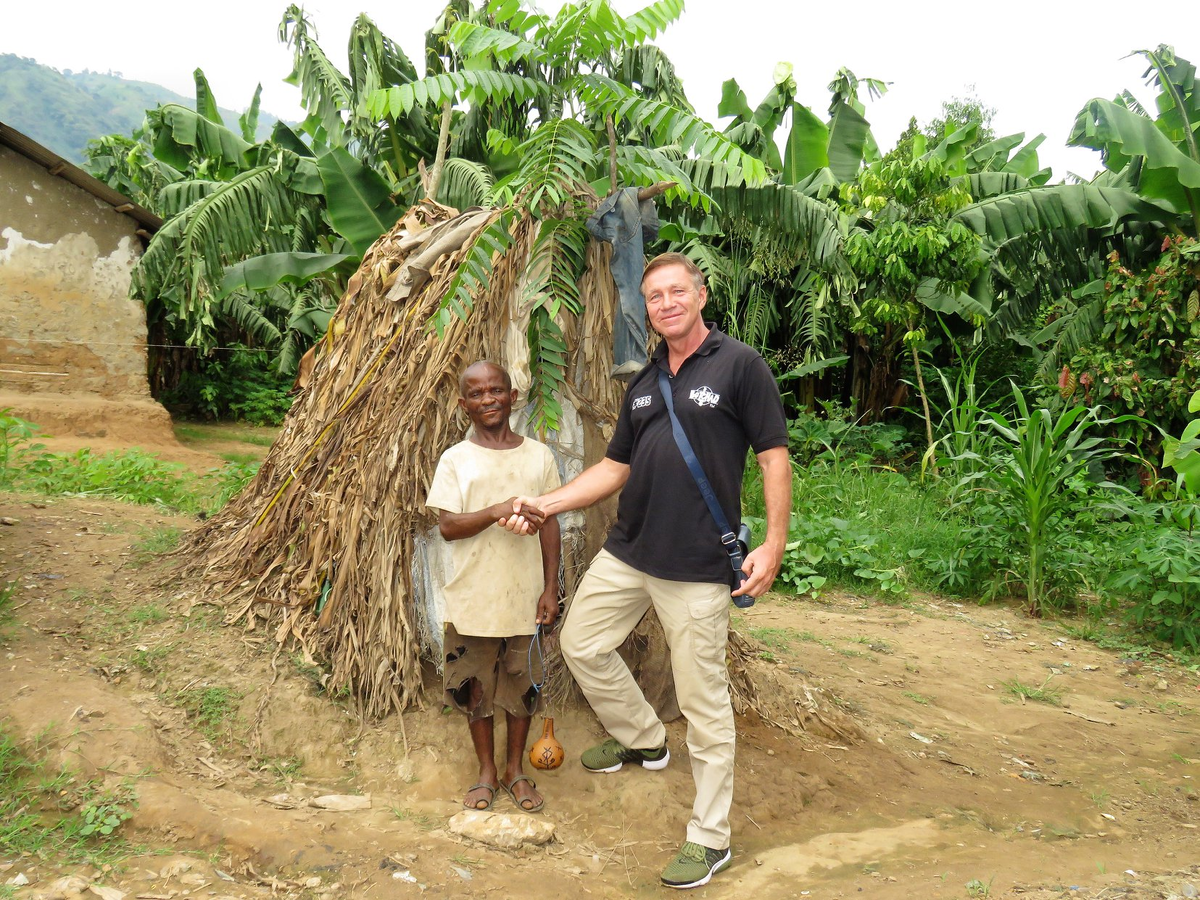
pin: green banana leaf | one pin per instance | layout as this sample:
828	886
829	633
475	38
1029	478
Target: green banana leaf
993	155
248	121
358	200
206	103
848	133
931	295
1000	219
733	102
1168	173
186	134
262	272
807	145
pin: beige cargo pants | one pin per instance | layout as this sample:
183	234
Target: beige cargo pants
610	601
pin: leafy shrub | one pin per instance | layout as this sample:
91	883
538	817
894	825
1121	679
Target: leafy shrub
15	435
837	436
823	548
238	383
128	475
1159	572
1146	360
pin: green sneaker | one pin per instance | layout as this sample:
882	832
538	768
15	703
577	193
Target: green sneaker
612	755
694	865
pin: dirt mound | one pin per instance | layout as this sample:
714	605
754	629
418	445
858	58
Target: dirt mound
226	741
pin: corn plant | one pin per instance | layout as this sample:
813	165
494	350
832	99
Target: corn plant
963	441
1041	454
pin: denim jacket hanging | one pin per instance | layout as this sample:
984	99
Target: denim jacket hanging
627	223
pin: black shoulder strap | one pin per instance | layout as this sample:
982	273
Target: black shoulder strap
728	536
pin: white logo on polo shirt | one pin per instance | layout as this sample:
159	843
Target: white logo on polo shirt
704	396
641	402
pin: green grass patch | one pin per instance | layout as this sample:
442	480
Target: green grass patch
148	613
212	709
1018	690
151	660
191	433
45	812
915	697
155	542
421	820
241	459
782	639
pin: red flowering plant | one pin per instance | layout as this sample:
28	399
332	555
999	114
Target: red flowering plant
1147	357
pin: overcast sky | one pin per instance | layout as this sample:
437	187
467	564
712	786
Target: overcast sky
1037	63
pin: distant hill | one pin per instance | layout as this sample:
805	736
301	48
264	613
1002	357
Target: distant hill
64	110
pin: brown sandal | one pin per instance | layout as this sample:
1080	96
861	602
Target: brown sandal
508	789
490	800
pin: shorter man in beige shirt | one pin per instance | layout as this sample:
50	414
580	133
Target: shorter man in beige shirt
504	586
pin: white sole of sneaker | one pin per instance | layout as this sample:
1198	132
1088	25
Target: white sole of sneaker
652	765
720	865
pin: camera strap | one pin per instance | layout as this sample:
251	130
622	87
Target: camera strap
728	535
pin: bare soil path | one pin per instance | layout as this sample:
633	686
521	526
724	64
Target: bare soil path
959	789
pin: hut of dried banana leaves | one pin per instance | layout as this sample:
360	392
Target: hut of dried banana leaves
331	547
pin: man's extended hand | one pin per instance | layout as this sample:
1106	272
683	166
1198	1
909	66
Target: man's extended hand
547	609
761	565
526	518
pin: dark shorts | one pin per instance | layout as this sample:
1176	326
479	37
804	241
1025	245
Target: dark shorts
500	665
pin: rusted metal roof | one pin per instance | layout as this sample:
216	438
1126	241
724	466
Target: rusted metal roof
61	168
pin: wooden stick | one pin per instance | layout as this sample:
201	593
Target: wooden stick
612	154
654	190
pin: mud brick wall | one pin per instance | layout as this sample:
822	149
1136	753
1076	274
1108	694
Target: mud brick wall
67	325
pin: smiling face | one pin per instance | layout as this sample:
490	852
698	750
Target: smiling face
487	396
674	302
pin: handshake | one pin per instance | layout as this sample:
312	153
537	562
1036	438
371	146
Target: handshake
521	515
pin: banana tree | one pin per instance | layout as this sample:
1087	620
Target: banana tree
1048	244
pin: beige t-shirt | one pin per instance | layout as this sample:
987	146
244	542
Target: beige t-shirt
497	575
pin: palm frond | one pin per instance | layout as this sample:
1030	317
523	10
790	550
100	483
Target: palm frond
475	271
665	124
553	161
647	23
465	183
556	265
547	369
471	85
474	40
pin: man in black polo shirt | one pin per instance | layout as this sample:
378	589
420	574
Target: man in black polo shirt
665	549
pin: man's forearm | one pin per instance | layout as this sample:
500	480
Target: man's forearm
777	495
551	539
592	485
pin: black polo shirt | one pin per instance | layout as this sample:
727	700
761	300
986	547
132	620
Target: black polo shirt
727	402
